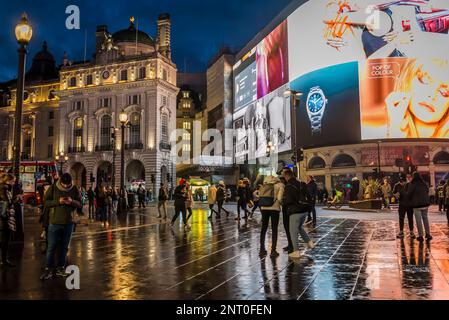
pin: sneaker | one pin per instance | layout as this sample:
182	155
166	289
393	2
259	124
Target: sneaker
429	238
60	272
47	275
311	245
420	239
295	255
274	254
263	253
400	235
412	235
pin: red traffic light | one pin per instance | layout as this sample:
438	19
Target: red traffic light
408	159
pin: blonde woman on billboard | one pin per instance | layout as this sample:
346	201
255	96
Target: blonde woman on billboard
419	106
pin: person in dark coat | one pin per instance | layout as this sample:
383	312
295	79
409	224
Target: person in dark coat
312	187
7	209
400	192
419	199
180	197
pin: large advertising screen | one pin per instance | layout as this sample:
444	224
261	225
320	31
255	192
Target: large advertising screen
378	69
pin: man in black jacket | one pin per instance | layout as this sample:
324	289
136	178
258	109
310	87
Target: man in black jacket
297	200
400	192
419	199
180	197
313	191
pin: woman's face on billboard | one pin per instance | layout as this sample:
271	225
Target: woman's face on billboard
430	93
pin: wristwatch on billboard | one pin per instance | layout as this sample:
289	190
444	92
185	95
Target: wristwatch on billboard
316	106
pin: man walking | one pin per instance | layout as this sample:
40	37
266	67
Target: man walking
91	199
62	199
297	200
312	188
141	193
400	192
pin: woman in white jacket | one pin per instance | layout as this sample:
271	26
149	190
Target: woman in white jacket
271	194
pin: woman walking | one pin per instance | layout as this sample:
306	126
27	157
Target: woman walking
6	216
418	196
271	194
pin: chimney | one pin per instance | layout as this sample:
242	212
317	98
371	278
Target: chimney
164	34
100	36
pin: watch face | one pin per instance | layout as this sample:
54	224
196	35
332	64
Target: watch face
316	102
105	75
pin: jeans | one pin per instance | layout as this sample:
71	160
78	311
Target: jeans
58	235
403	212
286	222
297	227
312	214
179	209
266	215
162	204
421	215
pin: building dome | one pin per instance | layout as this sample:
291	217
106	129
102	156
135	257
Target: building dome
129	35
43	67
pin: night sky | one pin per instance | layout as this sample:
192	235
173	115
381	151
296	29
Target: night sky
199	27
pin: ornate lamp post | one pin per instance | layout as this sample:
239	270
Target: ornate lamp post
24	33
61	158
123	117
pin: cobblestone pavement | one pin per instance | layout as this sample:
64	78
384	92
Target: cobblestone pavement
357	257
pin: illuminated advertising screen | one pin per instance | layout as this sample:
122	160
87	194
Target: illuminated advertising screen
380	66
245	82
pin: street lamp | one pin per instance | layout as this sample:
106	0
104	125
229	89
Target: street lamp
294	96
61	158
23	32
114	151
123	118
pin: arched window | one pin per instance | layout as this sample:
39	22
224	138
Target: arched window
105	131
317	163
344	161
441	158
134	138
78	134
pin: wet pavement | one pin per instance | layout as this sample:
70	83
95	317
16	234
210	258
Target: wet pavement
141	258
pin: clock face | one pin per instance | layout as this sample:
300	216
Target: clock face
316	102
105	75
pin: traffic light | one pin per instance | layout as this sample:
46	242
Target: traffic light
410	168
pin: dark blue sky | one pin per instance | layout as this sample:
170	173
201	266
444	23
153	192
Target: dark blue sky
199	27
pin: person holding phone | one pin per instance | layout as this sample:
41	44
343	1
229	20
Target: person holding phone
62	199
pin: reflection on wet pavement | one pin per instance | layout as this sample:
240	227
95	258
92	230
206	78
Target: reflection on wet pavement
142	259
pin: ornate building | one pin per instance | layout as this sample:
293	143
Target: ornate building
40	121
132	73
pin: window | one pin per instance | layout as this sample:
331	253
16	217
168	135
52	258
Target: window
89	80
134	99
72	82
105	103
186	147
187	126
105	131
186	105
186	94
78	133
164	128
142	73
50	131
135	129
50	151
51	115
186	136
78	105
124	75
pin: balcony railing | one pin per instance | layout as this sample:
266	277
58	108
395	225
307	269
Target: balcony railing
104	148
134	146
164	146
77	149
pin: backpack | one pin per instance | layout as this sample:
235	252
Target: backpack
266	195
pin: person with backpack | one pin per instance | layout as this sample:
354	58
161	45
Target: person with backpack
297	200
418	197
63	199
162	201
221	198
270	199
